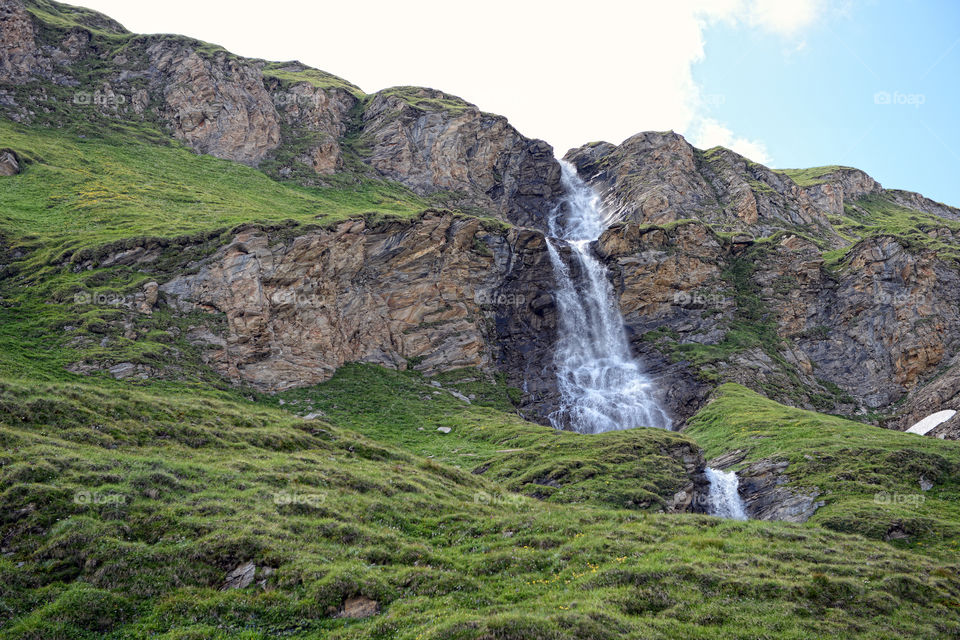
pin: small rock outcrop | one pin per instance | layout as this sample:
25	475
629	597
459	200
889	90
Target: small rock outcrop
9	163
240	577
359	607
18	49
940	394
765	497
839	185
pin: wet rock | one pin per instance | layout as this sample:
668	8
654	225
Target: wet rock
765	497
728	459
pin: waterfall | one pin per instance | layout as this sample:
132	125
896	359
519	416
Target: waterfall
602	387
725	500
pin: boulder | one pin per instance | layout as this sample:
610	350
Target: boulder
9	163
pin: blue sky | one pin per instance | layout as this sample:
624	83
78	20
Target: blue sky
820	97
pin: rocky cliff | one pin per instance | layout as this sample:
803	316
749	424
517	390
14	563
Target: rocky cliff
436	294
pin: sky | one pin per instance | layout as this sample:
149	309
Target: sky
873	84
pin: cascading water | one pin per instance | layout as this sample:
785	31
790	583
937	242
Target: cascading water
725	500
602	388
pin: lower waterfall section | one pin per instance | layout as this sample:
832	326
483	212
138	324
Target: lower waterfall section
724	497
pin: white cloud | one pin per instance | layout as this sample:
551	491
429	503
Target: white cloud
785	17
560	70
710	133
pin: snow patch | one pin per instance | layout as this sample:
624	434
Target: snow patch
927	424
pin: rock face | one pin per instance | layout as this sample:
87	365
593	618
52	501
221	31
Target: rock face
940	394
875	328
659	276
438	294
318	114
765	497
660	178
889	320
843	184
218	105
912	200
718	262
18	50
431	141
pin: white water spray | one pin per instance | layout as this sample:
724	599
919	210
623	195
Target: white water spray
725	500
602	388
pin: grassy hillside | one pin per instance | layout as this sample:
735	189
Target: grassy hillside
124	510
868	476
81	192
636	469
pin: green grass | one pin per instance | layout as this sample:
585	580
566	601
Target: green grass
65	17
123	504
812	175
412	96
877	215
317	78
80	199
636	469
868	476
85	192
123	510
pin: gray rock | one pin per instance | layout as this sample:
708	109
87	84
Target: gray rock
9	163
240	577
